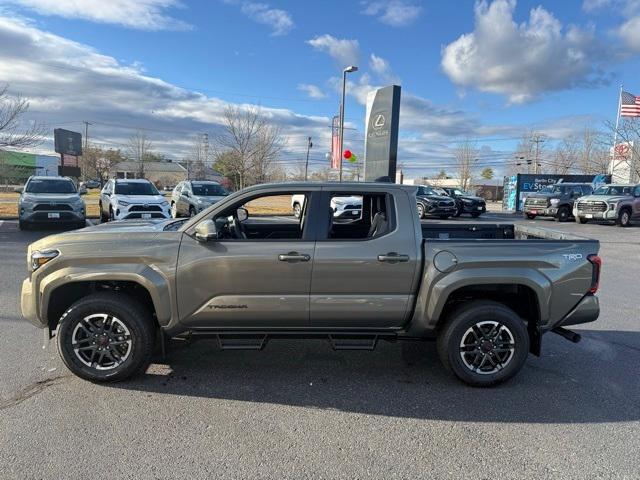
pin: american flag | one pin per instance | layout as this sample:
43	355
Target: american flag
629	105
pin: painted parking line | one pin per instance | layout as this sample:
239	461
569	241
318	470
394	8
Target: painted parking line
90	222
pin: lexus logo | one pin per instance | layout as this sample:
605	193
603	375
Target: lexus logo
146	205
379	121
52	204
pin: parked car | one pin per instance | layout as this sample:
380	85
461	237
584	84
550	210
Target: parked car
191	197
617	203
466	202
434	201
122	199
50	200
244	280
344	208
555	201
91	184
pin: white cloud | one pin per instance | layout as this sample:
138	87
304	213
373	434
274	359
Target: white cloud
629	10
523	60
139	14
312	90
378	64
345	51
396	13
280	21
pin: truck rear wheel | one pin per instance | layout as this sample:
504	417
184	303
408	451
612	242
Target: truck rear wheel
483	343
624	218
106	337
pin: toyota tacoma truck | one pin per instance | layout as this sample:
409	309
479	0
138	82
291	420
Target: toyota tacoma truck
244	274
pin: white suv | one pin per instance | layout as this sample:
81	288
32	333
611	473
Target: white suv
126	198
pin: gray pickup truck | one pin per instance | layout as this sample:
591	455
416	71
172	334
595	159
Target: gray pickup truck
243	274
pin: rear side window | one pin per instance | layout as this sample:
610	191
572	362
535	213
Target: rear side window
359	216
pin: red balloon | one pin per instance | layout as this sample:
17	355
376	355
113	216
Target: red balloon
347	154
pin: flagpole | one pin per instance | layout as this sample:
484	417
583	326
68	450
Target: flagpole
615	133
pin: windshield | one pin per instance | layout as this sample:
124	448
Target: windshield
137	188
552	189
50	186
440	191
426	191
208	190
614	190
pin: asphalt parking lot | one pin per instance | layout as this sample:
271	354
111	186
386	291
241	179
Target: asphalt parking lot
301	410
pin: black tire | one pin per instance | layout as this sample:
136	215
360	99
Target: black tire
456	329
125	310
444	217
23	225
529	216
563	214
80	224
582	220
420	208
624	218
103	217
192	212
458	211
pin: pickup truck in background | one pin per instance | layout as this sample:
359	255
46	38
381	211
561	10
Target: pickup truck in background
485	293
615	203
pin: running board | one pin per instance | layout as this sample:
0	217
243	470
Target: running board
241	342
346	342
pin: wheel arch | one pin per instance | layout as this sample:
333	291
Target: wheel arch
148	287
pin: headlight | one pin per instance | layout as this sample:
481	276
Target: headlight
613	206
39	258
164	204
466	201
123	203
555	201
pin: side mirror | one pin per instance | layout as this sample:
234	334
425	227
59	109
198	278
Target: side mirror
242	214
206	230
82	190
186	194
18	189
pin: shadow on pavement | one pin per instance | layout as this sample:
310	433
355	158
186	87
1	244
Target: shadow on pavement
594	381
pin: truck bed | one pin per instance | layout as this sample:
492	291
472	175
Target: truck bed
492	231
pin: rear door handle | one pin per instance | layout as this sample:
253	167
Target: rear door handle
393	257
294	257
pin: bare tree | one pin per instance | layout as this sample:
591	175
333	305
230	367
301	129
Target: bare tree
139	150
594	152
12	134
466	154
248	145
566	156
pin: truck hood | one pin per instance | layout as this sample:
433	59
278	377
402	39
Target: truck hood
541	195
604	198
50	197
137	199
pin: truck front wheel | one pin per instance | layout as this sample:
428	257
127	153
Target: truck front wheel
483	343
106	337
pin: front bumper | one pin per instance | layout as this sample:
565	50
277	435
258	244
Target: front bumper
474	208
540	211
433	209
29	215
28	304
141	211
606	215
350	214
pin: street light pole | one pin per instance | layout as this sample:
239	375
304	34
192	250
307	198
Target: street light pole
349	69
306	165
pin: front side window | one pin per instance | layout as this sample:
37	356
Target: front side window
265	217
135	188
50	186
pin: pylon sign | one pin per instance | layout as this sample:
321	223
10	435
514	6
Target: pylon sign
381	135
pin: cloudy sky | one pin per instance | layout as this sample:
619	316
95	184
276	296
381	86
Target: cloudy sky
487	71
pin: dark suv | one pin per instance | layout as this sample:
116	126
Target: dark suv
434	201
466	203
555	200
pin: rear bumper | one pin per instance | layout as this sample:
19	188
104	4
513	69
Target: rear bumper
587	310
474	208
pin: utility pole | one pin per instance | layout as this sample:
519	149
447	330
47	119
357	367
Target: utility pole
86	144
537	139
306	163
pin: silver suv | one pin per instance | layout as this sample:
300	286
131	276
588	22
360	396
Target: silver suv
50	200
191	197
617	203
122	199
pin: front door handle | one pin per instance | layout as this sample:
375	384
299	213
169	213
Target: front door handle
294	257
393	257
